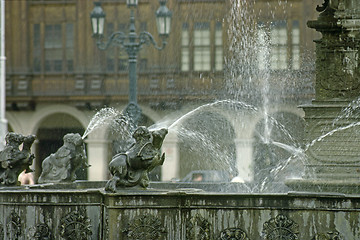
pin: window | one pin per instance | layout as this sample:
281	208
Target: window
278	41
117	59
53	48
58	48
70	47
263	47
279	48
202	47
143	27
185	51
142	64
295	49
218	47
36	49
122	64
122	55
110	55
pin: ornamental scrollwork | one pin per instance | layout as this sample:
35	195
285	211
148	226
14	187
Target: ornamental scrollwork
75	225
233	234
279	228
145	227
14	226
198	228
334	235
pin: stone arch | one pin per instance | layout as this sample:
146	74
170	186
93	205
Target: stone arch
44	112
13	124
149	113
50	130
206	142
276	139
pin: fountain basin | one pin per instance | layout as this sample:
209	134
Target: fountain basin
173	213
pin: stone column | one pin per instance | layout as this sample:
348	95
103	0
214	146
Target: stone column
170	168
3	121
98	150
334	138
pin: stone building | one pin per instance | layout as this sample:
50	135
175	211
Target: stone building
234	56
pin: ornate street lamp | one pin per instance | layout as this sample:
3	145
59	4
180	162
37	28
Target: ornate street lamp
132	3
131	43
163	19
97	17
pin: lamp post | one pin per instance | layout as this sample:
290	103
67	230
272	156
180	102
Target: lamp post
131	43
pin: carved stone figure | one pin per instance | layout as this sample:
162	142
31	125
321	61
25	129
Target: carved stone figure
131	168
13	160
61	166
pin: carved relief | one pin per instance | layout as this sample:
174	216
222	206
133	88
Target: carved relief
13	226
233	234
1	231
145	227
106	224
75	225
280	228
198	228
335	235
42	232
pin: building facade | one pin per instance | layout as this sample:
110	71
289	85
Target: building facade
218	54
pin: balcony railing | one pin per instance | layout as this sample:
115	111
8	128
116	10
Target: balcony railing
154	87
18	85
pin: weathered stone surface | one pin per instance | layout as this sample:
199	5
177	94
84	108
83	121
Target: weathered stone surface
175	214
333	162
62	165
131	168
13	160
337	63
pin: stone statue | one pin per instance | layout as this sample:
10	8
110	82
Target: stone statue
61	166
13	160
131	168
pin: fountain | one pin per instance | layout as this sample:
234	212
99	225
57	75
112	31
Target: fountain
333	164
322	204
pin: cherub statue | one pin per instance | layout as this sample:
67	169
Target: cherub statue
131	168
61	166
13	160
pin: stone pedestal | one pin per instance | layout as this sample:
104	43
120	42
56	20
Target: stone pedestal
82	210
333	152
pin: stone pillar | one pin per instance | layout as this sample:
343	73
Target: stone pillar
3	121
334	150
98	150
170	168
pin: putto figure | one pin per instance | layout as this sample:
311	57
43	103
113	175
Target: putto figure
61	166
131	168
13	160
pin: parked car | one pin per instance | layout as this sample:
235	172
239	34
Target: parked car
207	176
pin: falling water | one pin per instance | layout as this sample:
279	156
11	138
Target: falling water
232	103
105	116
351	111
